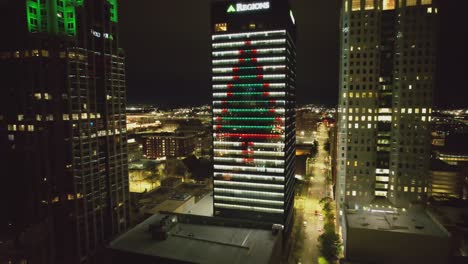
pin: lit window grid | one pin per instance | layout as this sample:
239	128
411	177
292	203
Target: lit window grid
231	98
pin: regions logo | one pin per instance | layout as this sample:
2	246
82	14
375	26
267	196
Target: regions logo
248	7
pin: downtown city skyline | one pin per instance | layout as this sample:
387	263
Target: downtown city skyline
226	131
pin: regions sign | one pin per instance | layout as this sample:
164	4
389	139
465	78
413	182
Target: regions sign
248	7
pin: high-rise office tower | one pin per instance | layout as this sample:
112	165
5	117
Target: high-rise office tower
64	188
253	52
387	70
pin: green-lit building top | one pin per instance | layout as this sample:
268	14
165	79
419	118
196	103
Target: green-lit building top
58	16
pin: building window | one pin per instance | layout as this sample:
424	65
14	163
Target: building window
356	5
221	27
388	4
369	4
410	2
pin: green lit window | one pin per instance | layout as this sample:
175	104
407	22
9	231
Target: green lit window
113	10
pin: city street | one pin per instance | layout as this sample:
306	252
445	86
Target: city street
307	225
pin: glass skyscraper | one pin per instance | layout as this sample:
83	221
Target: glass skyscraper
253	82
63	141
387	78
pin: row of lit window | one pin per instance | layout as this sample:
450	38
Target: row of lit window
256	60
359	95
247	200
249	43
254	144
247	168
250	152
253	51
14	127
24	54
265	68
249	85
249	208
250	110
384	193
67	117
267	162
243	77
249	193
40	53
242	176
388	110
250	34
386	4
264	94
231	184
381	119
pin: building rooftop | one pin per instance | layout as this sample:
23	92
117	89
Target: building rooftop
204	206
200	243
439	165
412	222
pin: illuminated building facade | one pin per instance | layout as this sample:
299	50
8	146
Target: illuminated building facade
253	58
175	145
62	131
387	69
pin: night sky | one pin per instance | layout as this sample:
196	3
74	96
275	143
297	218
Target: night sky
167	45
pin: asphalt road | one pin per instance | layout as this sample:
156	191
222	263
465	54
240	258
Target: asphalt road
308	226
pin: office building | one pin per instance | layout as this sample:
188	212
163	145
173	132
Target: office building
445	180
62	130
378	238
169	145
387	69
253	60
